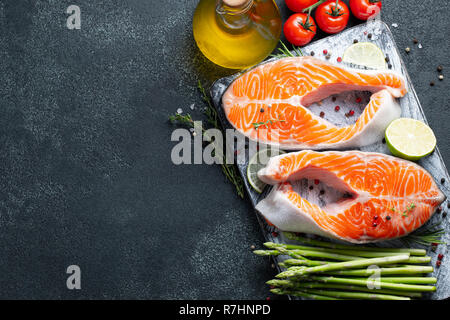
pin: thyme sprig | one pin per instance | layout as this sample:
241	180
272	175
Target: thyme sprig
409	208
256	125
229	170
284	52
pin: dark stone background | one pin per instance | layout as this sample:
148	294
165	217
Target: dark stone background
86	176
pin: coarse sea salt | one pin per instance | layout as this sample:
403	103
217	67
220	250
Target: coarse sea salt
179	110
395	25
192	106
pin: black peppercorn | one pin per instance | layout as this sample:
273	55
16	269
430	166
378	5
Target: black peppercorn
388	218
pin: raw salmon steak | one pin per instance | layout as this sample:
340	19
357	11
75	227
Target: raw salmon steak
277	94
383	197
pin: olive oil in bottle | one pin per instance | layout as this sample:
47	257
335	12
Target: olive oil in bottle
237	34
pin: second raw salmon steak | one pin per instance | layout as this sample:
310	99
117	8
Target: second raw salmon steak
383	197
270	104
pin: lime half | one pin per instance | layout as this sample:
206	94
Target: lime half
256	163
410	139
365	54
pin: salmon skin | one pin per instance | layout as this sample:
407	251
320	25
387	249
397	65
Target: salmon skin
278	93
385	197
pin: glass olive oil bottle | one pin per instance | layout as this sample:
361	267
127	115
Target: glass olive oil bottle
237	34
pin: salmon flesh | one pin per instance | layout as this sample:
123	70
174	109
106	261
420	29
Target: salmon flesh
383	197
278	94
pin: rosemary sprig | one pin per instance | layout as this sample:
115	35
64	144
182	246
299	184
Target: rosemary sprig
284	52
229	170
427	236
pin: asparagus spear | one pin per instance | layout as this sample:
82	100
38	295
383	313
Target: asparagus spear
407	280
298	271
292	236
383	271
355	295
313	285
418	260
366	282
309	253
301	294
355	252
309	263
312	253
413	260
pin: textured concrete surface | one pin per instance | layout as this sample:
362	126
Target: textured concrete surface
86	176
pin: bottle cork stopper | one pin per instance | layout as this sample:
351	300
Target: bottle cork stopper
235	3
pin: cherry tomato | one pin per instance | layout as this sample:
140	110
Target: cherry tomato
331	18
299	29
365	9
299	5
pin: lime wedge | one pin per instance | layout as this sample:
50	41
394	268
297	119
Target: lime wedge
365	54
256	163
410	139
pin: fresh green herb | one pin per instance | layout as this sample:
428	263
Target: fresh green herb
181	119
409	208
427	236
229	170
284	52
266	123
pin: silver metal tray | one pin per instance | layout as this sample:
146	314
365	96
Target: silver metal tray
411	108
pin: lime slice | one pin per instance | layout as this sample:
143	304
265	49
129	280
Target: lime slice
365	54
256	163
410	139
